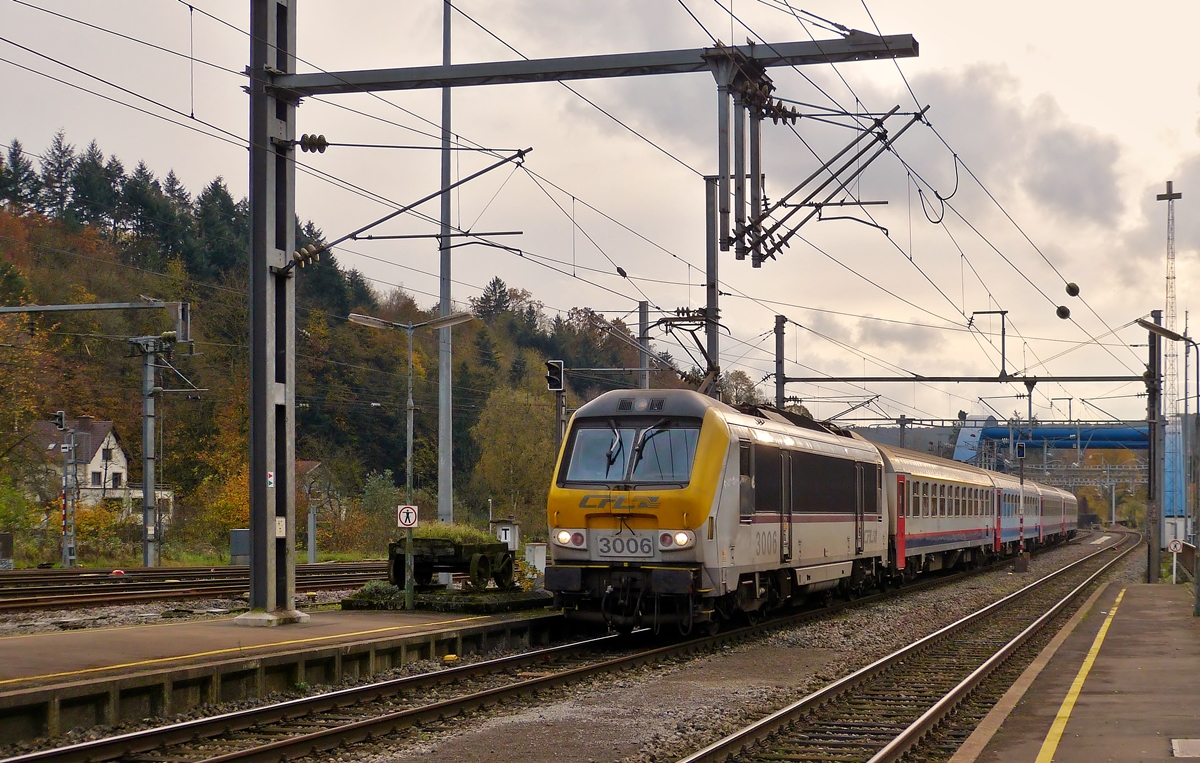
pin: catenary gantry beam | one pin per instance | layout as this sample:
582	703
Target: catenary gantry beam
856	46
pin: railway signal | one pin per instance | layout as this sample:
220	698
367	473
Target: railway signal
554	375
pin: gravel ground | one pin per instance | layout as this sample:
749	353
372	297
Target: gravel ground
662	712
20	623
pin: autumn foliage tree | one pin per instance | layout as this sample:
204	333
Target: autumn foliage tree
516	455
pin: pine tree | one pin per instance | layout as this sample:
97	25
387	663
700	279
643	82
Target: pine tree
485	347
223	233
96	188
54	198
494	301
516	372
142	200
21	184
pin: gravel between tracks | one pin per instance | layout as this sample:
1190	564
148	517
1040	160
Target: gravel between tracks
662	712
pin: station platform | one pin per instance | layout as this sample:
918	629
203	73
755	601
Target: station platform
57	681
1118	683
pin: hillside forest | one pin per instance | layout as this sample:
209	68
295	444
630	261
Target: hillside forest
76	226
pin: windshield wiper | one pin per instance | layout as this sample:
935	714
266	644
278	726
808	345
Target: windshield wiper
614	447
644	437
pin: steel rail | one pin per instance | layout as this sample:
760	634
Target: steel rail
167	591
20	588
769	726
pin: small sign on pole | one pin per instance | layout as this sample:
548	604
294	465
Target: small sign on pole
1174	546
406	516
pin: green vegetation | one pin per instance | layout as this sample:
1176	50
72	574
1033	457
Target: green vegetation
77	227
457	533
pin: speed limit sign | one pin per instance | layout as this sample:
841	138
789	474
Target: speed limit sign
1175	546
406	516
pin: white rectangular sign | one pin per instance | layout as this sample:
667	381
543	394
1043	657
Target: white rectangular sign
406	516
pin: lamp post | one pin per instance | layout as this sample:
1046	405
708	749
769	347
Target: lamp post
437	323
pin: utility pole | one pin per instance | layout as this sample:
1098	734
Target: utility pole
1154	423
780	377
712	292
272	316
150	347
445	359
644	341
70	489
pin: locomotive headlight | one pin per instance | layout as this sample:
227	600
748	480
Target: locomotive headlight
570	538
676	541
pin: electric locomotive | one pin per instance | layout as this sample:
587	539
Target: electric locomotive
668	506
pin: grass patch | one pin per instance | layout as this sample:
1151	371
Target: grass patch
455	533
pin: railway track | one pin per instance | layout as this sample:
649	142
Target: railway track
880	712
28	590
316	724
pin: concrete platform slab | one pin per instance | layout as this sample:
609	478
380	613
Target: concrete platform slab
1120	693
40	658
53	682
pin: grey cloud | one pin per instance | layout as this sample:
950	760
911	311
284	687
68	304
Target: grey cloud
1009	144
1147	242
1070	167
911	339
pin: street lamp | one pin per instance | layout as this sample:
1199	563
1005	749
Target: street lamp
437	323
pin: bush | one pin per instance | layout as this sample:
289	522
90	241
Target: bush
101	534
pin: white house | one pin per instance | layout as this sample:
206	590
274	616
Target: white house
101	467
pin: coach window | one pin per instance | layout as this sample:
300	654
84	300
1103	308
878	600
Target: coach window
746	479
941	500
870	489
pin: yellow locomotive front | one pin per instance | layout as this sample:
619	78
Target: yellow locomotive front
630	505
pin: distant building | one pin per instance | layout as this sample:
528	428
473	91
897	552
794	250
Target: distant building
101	466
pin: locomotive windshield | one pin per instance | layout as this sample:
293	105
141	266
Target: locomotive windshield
611	452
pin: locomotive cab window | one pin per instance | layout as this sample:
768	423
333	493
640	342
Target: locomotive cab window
629	451
745	479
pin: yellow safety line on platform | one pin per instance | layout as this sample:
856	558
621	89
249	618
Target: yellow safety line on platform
1050	746
232	649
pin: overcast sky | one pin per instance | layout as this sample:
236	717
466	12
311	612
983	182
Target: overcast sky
1072	115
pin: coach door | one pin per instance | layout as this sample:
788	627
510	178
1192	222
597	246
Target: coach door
860	489
785	510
